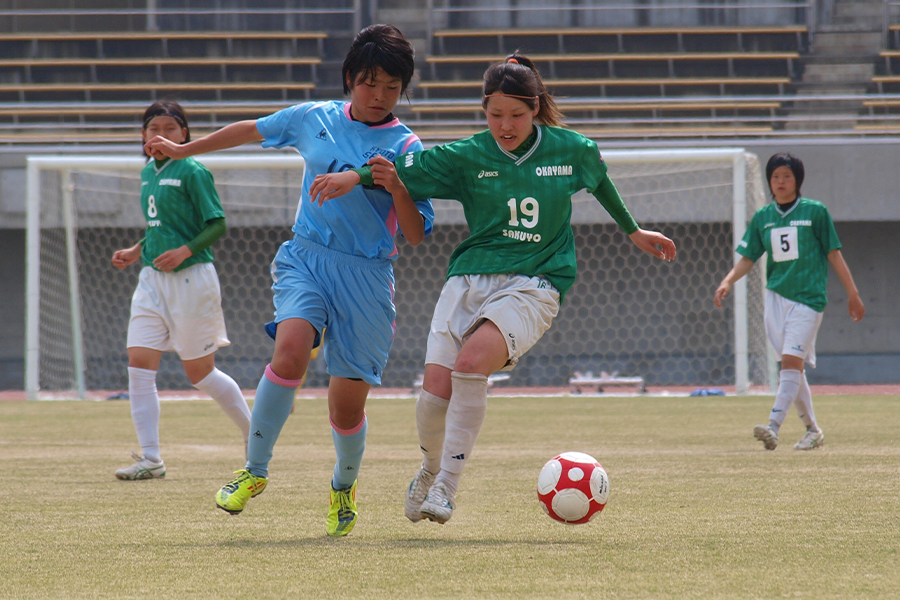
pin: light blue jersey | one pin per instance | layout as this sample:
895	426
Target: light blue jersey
364	221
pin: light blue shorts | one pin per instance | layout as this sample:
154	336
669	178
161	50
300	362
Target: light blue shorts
350	296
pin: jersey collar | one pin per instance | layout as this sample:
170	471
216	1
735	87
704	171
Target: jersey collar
788	211
520	159
159	168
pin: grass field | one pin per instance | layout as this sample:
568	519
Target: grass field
698	509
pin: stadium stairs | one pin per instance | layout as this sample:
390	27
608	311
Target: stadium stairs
632	83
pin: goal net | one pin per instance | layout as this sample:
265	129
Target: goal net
628	313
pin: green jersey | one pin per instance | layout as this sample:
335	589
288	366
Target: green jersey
178	197
798	242
518	208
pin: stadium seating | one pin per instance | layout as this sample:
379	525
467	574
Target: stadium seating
624	81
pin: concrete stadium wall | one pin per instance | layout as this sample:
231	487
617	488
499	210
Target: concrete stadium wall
858	180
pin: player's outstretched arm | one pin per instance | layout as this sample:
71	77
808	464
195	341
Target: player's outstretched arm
655	243
854	302
742	268
230	136
126	256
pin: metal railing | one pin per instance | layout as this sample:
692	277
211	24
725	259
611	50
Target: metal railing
745	13
155	18
789	119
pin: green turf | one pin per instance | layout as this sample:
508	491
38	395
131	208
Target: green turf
698	509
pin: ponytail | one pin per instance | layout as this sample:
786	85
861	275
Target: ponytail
517	77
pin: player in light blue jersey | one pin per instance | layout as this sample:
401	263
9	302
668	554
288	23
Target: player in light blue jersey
337	271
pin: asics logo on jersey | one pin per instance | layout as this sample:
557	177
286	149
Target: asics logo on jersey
488	174
767	225
172	182
553	171
801	223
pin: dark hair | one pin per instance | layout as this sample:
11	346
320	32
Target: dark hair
785	159
517	76
167	108
378	46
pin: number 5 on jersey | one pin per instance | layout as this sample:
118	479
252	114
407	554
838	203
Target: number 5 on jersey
784	244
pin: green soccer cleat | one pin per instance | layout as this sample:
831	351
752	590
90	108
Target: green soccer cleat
342	512
233	496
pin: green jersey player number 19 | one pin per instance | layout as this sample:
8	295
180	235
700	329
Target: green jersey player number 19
506	281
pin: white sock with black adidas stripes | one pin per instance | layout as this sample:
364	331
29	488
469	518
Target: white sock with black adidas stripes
465	416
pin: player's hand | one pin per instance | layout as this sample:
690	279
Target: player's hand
655	243
159	148
857	308
332	185
172	259
384	173
125	257
721	293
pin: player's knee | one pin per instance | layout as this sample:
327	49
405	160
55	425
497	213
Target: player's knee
289	365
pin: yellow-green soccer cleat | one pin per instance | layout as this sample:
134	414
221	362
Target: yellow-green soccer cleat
233	496
342	513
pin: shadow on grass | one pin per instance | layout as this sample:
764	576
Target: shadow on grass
399	544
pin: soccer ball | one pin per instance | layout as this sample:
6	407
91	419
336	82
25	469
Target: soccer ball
573	488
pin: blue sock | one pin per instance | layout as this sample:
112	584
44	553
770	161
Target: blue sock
274	398
349	444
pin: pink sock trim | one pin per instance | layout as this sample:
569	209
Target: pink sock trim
348	431
288	383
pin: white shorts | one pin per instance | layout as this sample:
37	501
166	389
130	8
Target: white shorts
180	311
792	327
521	307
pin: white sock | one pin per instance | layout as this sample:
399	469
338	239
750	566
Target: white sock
226	392
805	407
788	388
465	415
431	422
145	410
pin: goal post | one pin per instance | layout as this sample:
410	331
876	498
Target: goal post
626	313
740	217
62	210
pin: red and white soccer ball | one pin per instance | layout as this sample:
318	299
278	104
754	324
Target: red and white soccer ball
573	488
